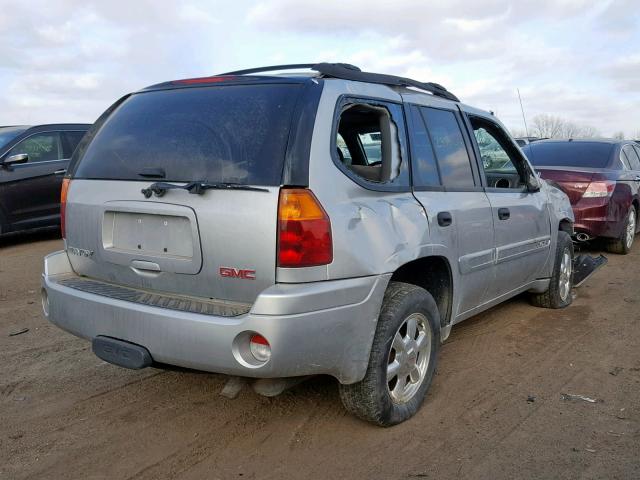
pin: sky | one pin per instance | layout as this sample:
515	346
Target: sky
68	60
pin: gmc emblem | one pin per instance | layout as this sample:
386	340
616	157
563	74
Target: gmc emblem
237	273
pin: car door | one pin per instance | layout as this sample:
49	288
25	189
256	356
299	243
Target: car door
631	154
521	221
458	210
31	190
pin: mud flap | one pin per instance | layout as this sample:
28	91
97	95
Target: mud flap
584	266
121	353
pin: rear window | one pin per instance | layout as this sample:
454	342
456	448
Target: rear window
230	134
569	154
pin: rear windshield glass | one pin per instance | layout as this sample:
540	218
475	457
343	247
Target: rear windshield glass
230	134
569	154
9	133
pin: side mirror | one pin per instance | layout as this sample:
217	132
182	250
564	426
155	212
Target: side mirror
15	159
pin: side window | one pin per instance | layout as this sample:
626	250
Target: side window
425	169
625	161
503	165
40	147
449	147
632	156
369	142
70	141
637	149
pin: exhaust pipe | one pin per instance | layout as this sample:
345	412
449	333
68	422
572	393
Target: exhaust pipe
583	237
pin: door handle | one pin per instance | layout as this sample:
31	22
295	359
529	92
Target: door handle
504	213
60	172
445	219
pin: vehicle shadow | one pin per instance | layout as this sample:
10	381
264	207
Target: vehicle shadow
31	236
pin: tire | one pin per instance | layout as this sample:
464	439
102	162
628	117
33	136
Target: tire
623	244
383	401
558	294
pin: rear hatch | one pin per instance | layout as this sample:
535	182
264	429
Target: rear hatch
218	243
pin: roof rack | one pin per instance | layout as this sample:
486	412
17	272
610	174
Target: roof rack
346	71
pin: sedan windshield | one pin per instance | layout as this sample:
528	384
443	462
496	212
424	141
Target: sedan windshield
9	133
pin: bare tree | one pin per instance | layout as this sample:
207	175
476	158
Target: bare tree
589	132
550	126
518	132
619	135
546	126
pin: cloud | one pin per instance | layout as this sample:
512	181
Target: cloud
69	60
625	73
567	57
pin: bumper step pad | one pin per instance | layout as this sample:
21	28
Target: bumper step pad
152	299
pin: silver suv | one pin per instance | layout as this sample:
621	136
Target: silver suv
283	225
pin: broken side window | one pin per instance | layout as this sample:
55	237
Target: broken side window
368	142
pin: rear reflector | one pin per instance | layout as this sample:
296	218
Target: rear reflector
304	230
63	204
260	348
599	189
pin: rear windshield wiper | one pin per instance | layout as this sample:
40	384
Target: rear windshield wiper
197	188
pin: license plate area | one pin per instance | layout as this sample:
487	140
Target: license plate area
148	234
162	234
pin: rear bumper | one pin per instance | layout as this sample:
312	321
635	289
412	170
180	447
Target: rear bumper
597	220
315	328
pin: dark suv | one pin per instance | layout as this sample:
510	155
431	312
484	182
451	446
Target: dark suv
33	161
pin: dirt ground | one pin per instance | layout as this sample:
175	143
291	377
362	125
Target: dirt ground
495	409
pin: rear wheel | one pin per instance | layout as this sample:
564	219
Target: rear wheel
559	293
402	360
623	244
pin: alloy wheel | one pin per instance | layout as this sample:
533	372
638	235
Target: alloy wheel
408	359
566	271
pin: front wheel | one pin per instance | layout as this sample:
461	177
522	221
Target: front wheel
402	360
559	293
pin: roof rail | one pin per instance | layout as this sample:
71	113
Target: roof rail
272	68
346	71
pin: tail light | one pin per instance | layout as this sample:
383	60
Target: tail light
63	204
304	230
599	189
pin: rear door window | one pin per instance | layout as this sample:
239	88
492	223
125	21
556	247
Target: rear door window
70	141
451	152
637	149
632	157
41	147
230	134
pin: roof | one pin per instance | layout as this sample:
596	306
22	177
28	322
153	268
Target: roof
343	71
